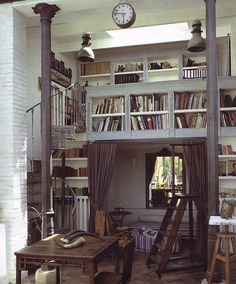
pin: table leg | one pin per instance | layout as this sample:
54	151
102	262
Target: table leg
227	261
58	280
213	261
91	272
18	271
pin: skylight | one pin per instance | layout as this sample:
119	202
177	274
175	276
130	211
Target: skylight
151	34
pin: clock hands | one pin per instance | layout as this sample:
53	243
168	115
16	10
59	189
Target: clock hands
123	15
120	13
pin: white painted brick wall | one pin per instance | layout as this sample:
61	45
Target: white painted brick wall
13	141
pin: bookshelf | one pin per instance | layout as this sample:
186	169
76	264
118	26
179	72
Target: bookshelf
74	171
149	63
227	108
227	157
96	73
172	109
149	111
194	66
146	69
108	114
163	68
190	109
129	71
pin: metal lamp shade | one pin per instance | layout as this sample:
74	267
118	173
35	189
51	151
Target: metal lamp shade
86	53
196	43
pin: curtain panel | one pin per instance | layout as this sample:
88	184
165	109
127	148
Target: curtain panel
195	157
101	159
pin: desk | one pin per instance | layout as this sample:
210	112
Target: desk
47	251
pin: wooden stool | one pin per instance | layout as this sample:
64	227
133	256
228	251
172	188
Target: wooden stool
227	258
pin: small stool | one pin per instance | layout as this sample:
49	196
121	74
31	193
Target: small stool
226	238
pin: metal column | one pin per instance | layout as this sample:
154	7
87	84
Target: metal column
212	125
46	12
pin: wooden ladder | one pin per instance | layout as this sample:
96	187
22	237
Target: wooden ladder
163	244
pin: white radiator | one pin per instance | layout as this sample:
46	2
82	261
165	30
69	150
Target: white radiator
76	212
81	213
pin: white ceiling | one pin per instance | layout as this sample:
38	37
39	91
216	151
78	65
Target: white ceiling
78	16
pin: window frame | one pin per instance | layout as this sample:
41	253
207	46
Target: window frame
165	152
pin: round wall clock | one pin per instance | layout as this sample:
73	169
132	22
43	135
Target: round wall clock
123	15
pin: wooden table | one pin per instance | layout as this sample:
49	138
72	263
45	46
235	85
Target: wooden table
48	252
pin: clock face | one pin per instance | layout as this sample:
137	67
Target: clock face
123	15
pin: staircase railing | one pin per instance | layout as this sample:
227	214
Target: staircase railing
68	114
67	117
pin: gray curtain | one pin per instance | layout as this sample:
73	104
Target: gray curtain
150	166
101	159
195	157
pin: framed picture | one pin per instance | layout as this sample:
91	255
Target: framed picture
222	168
232	167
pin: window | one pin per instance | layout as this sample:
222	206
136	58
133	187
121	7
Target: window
165	176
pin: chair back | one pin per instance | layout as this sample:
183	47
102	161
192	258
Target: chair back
128	260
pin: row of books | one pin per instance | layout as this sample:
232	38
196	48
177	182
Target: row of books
112	105
193	73
110	123
95	68
71	153
77	191
142	122
69	172
225	150
228	119
227	168
59	66
126	78
227	193
227	100
190	100
150	102
191	120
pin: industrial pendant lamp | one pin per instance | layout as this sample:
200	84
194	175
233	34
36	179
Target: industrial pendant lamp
196	43
86	53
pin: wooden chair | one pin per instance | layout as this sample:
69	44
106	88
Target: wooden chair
106	277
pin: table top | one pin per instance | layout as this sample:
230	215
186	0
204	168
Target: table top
217	220
48	247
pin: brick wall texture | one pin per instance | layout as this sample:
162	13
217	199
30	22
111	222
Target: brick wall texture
13	142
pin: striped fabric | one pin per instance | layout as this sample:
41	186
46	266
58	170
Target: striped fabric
144	240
